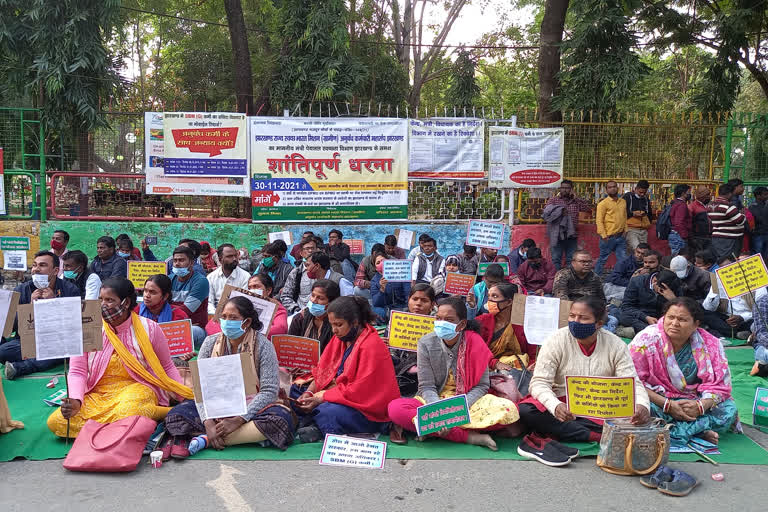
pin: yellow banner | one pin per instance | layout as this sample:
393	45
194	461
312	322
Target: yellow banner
601	397
140	271
405	329
744	275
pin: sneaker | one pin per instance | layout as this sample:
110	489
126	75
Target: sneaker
10	371
743	335
538	449
569	451
309	434
180	448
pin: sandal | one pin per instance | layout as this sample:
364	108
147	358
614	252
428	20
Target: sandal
681	484
396	435
663	474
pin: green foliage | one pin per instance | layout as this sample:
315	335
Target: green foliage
463	88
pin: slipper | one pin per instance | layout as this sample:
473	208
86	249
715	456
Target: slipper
681	484
663	474
396	435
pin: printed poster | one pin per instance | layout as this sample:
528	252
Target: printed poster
313	169
446	149
525	158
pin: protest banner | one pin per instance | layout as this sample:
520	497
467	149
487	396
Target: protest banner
9	302
405	238
140	271
15	260
485	234
157	182
90	322
743	276
265	308
405	329
525	157
482	268
179	334
14	243
2	185
335	169
458	284
447	413
296	352
600	397
356	247
760	407
285	236
397	271
446	149
353	452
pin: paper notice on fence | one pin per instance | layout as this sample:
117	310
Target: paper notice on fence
397	271
526	157
222	386
600	397
542	315
58	328
446	149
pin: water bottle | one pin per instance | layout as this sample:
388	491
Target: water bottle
198	443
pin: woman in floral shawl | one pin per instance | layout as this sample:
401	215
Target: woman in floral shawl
686	374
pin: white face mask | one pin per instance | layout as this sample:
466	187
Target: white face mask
257	291
40	280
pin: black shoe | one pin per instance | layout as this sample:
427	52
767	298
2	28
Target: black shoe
569	451
309	434
538	449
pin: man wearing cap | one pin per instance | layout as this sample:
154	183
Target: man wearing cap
696	282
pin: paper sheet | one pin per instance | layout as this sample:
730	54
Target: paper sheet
404	238
15	260
58	328
264	308
541	318
5	306
222	386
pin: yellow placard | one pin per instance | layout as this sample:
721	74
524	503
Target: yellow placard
140	271
405	329
743	276
601	397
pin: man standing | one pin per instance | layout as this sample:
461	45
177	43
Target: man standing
228	273
701	228
738	192
59	242
639	215
611	224
107	263
517	257
189	289
536	273
759	211
727	224
680	218
558	211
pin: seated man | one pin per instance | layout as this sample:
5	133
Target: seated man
318	266
428	263
228	273
517	257
391	250
366	270
45	284
186	242
295	293
651	264
728	318
76	271
339	252
706	260
189	289
468	260
296	249
417	250
617	281
537	274
579	280
487	255
696	282
107	263
644	300
272	264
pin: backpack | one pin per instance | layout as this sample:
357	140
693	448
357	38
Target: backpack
664	223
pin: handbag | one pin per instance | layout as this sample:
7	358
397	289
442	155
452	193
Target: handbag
110	447
627	449
511	384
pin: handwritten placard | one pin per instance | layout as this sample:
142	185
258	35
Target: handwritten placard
296	352
760	407
458	284
743	276
448	413
485	234
482	268
406	329
353	452
397	271
179	334
356	246
601	397
140	271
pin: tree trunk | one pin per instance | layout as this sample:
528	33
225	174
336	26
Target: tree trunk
239	37
550	37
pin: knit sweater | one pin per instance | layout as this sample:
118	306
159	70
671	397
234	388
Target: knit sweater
568	286
726	220
560	356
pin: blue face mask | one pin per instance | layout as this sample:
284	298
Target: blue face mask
582	331
445	330
124	254
428	255
232	329
316	309
180	271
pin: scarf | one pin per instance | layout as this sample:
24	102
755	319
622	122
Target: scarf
471	362
506	344
165	315
249	344
162	380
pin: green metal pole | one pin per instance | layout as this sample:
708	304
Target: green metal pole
728	136
41	146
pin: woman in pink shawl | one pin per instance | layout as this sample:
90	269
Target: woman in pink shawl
686	374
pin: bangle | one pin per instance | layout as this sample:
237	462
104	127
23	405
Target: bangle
310	393
666	405
701	407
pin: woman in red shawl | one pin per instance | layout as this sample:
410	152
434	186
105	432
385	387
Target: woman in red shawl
354	380
505	340
452	361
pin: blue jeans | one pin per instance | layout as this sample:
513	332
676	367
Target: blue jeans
567	246
676	243
611	324
10	352
198	336
611	244
760	245
761	355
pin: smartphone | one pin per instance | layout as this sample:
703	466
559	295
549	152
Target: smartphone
151	240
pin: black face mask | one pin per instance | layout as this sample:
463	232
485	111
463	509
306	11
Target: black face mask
351	335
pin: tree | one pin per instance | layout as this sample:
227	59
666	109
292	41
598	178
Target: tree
241	54
550	39
463	89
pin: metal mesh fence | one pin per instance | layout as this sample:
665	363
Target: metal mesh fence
748	138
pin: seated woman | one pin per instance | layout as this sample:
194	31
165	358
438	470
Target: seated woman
506	340
131	375
264	420
686	374
453	360
386	296
438	282
422	302
208	258
126	250
157	307
312	321
581	349
354	380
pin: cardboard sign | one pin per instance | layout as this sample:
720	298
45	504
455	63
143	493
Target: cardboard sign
14	243
151	240
15	260
179	334
482	268
356	246
405	238
249	376
743	276
448	413
406	329
458	284
285	236
91	324
760	407
296	352
601	397
265	308
485	234
353	452
517	315
9	302
397	271
140	271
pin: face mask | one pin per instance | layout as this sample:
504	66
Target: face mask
351	335
257	291
524	255
380	268
445	330
492	307
40	280
180	271
232	329
110	314
316	309
124	254
428	255
582	331
70	274
56	245
268	262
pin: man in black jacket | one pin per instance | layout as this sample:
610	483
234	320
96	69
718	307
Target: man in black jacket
645	298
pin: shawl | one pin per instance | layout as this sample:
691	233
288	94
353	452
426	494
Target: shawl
368	382
249	344
165	315
654	358
472	361
511	342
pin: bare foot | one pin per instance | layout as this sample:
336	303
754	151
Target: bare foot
755	369
479	439
711	436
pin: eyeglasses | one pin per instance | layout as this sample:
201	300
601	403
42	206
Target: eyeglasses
583	262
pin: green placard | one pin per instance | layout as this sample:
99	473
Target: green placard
760	407
483	267
448	413
14	243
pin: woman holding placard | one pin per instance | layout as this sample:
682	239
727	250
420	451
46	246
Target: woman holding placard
453	360
312	321
132	375
264	419
354	380
686	374
506	340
